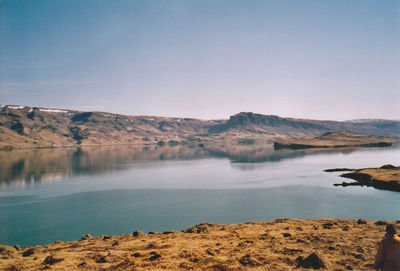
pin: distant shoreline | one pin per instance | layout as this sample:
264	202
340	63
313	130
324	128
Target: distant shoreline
22	126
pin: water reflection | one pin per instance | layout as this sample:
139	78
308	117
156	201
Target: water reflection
22	167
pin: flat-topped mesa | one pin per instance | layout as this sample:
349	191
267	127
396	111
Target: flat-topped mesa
340	139
244	118
250	122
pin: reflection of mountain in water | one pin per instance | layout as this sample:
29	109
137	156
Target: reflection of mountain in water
22	167
31	166
266	153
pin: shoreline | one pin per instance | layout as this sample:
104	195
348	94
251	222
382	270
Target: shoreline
282	244
333	140
386	177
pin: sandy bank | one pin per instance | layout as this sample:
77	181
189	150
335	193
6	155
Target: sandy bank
283	244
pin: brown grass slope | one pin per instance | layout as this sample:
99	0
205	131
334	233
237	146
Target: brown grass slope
283	244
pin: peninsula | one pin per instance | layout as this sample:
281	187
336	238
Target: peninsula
386	177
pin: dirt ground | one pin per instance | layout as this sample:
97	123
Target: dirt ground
283	244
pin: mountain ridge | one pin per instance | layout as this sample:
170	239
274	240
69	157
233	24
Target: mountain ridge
24	126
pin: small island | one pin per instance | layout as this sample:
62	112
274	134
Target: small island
341	139
386	177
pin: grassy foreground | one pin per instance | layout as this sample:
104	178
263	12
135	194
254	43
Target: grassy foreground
283	244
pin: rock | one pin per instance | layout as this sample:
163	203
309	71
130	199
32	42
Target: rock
160	143
287	234
17	247
173	143
154	256
327	226
247	260
136	254
116	243
87	236
200	228
138	233
168	232
210	252
18	128
381	223
101	259
106	237
28	252
312	261
51	260
281	220
361	221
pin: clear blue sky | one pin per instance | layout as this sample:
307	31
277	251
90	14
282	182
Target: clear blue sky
207	59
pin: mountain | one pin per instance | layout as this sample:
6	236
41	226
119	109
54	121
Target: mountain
249	122
23	126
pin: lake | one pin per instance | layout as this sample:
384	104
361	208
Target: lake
62	194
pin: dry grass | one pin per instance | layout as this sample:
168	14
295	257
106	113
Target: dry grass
276	245
384	175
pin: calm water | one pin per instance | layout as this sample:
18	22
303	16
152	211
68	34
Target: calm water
62	194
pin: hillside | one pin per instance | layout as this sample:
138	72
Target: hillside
30	127
283	244
276	127
25	127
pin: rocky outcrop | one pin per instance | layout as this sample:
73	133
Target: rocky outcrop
312	261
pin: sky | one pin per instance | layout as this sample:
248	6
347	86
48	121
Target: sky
337	59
